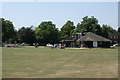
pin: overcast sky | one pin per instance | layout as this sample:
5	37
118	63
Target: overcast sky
33	13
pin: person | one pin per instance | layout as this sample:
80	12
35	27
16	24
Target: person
36	45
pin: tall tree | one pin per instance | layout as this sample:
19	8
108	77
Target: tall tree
89	25
105	29
8	31
46	32
119	29
67	29
26	35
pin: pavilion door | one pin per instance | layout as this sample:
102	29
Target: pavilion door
95	44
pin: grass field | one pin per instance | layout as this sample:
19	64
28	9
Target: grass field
30	62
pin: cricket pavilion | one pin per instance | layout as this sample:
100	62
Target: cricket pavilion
89	40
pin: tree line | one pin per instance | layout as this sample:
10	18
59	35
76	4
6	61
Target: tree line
46	31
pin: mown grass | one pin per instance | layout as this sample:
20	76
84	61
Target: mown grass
30	62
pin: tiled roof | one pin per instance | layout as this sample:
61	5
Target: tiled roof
70	39
92	37
113	33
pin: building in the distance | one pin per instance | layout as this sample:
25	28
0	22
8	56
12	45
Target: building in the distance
71	41
88	40
93	40
114	36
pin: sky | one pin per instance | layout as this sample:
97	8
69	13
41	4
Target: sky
33	13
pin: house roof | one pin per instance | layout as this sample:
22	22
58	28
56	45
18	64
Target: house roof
69	39
113	33
72	38
92	37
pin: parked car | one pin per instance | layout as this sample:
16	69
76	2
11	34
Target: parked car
25	44
62	47
56	45
116	45
49	45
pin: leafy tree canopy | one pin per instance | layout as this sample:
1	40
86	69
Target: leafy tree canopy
8	31
26	35
67	29
89	25
105	29
46	32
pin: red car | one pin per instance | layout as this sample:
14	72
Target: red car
62	47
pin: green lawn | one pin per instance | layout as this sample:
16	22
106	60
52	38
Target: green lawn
30	62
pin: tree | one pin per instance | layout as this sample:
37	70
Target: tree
26	35
8	31
119	29
89	25
67	29
46	32
105	29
